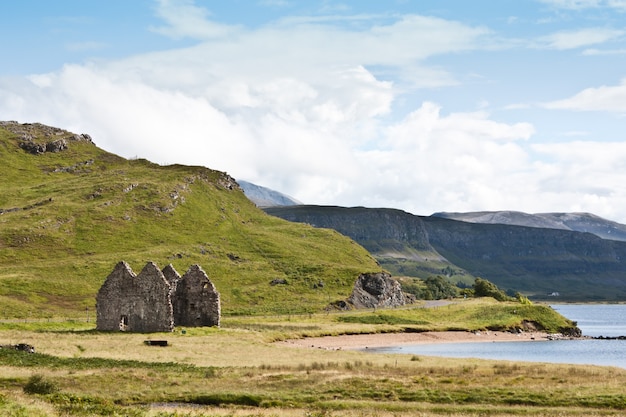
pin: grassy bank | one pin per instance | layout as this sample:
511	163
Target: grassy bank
239	370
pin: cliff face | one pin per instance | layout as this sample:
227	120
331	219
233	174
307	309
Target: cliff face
579	266
397	239
533	260
377	230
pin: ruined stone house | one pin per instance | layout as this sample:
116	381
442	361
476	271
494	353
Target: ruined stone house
155	300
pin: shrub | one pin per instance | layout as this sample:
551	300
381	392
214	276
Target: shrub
439	288
37	384
484	288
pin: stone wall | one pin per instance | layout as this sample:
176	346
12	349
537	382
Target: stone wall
135	303
172	277
195	300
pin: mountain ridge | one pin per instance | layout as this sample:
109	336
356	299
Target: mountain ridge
574	221
266	197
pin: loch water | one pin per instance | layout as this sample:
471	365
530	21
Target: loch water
595	320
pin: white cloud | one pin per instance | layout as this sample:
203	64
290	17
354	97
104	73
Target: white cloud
305	106
306	45
185	19
617	4
579	38
584	183
604	98
582	5
456	161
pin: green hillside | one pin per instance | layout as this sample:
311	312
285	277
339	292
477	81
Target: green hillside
67	217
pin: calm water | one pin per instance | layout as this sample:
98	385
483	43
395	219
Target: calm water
596	320
593	320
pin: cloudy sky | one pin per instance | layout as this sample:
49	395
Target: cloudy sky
421	105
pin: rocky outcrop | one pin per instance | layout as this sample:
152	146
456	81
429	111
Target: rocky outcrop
377	290
37	138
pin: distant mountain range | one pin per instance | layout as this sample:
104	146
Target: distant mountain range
543	256
578	222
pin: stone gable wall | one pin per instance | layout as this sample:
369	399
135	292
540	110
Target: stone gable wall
172	276
196	301
135	303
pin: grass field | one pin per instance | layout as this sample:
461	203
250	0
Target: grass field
239	370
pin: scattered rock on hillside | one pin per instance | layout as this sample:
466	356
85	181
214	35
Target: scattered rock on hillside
378	290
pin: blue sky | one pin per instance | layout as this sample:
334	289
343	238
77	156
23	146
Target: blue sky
421	105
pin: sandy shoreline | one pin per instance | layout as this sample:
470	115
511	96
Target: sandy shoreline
364	341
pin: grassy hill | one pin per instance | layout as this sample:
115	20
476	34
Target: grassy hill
67	217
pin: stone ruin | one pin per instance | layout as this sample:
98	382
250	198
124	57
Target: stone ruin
155	300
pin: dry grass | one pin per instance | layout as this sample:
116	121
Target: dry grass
239	370
235	366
